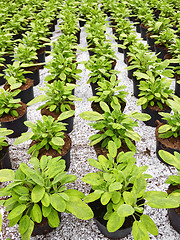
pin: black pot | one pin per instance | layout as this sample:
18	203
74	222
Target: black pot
78	36
8	59
69	121
143	32
130	72
174	219
132	19
66	157
41	57
5	158
125	51
81	22
150	42
136	84
43	228
154	116
26	95
34	76
138	29
48	49
161	50
2	79
16	125
94	86
177	86
161	146
119	48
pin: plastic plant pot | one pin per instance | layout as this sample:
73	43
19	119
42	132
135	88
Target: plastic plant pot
177	85
66	157
150	42
26	95
174	219
161	50
136	84
143	31
5	158
94	86
34	75
69	125
2	79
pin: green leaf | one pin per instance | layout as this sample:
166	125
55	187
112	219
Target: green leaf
112	149
125	210
6	175
141	116
62	76
169	158
45	200
24	137
134	136
66	115
139	231
104	107
141	101
24	224
53	219
139	186
129	198
77	207
16	211
37	193
140	75
91	116
92	179
27	234
115	222
105	198
46	210
163	203
93	196
58	141
149	224
36	213
115	186
164	128
58	202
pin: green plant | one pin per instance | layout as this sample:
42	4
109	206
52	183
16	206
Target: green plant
172	127
3	133
47	134
6	42
123	29
114	125
63	68
165	38
14	75
109	92
58	97
174	48
156	27
129	40
121	186
40	192
9	105
100	67
154	91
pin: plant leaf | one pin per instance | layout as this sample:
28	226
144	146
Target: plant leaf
115	222
58	202
6	175
149	224
37	193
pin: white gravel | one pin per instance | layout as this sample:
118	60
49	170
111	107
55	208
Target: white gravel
71	228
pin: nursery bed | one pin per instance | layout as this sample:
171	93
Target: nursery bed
71	227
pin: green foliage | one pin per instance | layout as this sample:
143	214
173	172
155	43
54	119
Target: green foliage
47	134
154	91
3	133
121	186
114	125
58	97
110	92
8	104
25	54
165	38
41	192
172	127
100	67
14	75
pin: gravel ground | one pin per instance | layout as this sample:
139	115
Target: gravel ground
70	227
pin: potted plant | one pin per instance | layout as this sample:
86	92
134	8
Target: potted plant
13	113
58	99
173	190
14	74
4	148
168	133
2	79
118	196
154	93
48	138
27	56
101	68
38	195
110	93
145	14
6	46
113	125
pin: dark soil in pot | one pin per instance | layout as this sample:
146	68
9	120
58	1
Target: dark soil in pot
162	50
99	212
177	85
143	30
170	144
27	93
65	151
34	75
96	107
154	113
5	158
174	213
103	151
15	123
55	115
